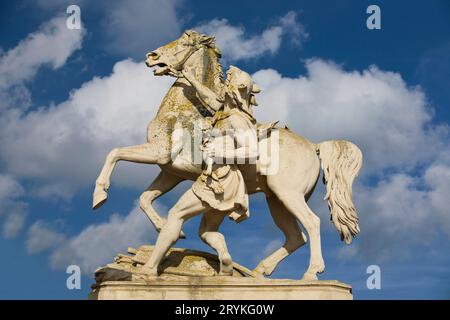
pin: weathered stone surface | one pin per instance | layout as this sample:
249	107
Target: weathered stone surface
193	275
178	262
221	288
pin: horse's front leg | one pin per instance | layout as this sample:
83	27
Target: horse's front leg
143	153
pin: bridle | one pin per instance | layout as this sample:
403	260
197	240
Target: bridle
197	46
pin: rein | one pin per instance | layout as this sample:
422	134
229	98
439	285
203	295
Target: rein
176	72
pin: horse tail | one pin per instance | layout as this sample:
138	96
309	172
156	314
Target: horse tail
341	161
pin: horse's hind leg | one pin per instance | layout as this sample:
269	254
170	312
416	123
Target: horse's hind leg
208	233
296	204
143	153
163	183
295	238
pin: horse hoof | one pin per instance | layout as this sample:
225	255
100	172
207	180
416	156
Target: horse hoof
99	199
226	272
259	272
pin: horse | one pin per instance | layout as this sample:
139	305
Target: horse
287	191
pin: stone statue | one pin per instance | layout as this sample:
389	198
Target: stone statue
201	98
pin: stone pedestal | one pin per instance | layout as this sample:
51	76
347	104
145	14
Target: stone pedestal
194	275
221	288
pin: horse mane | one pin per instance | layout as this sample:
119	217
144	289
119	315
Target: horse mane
216	79
218	72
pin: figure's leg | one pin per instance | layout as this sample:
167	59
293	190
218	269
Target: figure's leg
295	238
296	204
163	183
208	233
143	153
187	206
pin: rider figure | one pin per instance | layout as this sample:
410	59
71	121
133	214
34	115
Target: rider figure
235	141
222	191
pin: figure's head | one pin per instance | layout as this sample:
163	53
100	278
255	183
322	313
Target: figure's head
242	88
175	54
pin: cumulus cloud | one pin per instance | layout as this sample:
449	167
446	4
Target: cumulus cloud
13	223
10	188
41	237
50	46
403	212
404	150
63	146
98	244
13	210
374	108
127	28
236	45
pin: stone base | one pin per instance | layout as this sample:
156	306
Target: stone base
220	288
194	275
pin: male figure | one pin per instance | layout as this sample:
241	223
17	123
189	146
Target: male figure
222	191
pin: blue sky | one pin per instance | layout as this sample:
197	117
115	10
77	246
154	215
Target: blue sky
69	96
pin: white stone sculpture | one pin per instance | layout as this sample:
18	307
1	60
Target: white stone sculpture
201	97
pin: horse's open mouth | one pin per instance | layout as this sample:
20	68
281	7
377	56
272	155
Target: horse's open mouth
160	69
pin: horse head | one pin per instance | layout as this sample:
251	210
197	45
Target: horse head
172	56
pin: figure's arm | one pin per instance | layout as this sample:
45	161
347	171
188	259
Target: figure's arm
206	95
247	148
246	142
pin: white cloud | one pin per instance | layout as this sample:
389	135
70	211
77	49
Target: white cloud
97	245
127	28
63	147
51	45
12	210
9	188
373	108
235	45
402	213
13	223
42	237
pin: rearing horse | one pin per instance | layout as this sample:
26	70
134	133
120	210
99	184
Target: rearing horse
286	191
